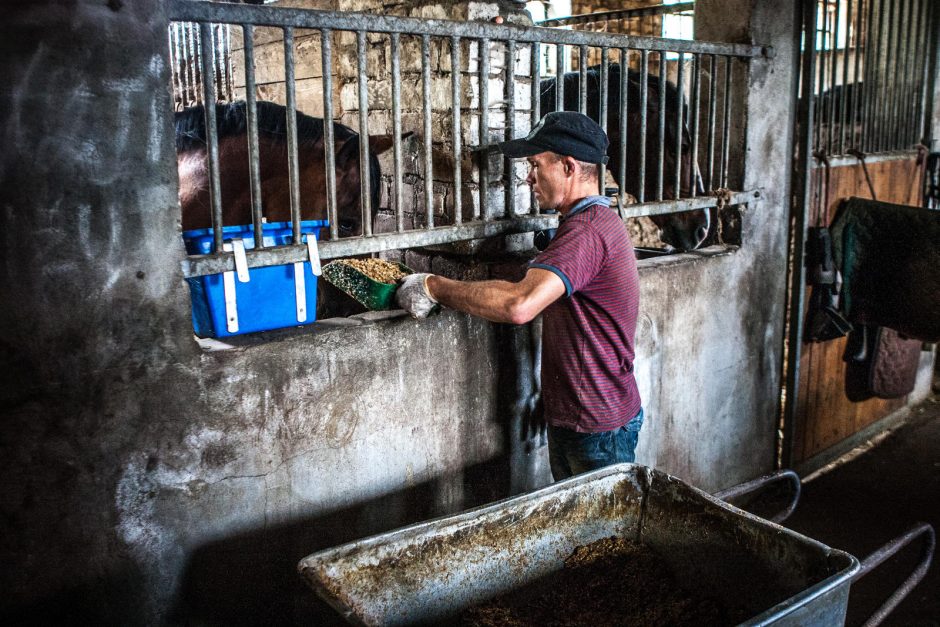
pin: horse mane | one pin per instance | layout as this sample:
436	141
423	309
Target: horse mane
232	120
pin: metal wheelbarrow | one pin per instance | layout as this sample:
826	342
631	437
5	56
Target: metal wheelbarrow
430	572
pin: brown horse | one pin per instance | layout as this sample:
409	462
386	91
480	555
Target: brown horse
231	121
684	231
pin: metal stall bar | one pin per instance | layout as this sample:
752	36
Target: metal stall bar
212	137
199	265
293	163
879	68
193	66
510	203
455	126
833	72
624	113
855	136
694	114
661	136
559	77
910	104
174	59
726	124
535	61
365	165
608	16
844	92
644	89
582	84
887	81
395	46
899	85
484	53
820	85
680	106
254	158
869	78
186	10
712	106
428	145
923	85
602	114
799	217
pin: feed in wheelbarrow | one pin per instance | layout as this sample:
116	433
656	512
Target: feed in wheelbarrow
610	582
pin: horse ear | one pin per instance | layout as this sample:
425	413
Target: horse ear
349	150
380	143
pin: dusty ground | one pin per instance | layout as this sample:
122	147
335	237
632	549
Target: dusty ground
875	496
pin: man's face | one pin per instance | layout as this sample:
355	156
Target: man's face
546	178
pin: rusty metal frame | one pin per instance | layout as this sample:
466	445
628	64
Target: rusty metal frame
457	33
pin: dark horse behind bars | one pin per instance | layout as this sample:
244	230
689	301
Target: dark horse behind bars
684	231
231	121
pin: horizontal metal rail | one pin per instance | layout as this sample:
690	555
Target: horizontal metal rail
623	14
189	11
889	550
200	265
760	483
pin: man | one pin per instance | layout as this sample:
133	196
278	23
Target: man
585	285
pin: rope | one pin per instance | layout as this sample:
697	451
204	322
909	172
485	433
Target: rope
861	157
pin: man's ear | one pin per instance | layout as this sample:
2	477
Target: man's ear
569	164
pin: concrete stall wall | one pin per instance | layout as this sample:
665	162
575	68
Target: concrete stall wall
145	481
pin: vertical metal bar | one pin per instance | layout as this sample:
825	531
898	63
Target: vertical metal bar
396	131
913	75
680	96
928	73
868	91
800	211
229	72
484	48
199	67
559	77
510	207
535	61
623	116
293	164
845	76
833	73
856	90
455	126
212	139
726	124
365	161
218	51
602	114
712	104
169	42
694	114
661	136
820	86
903	86
254	158
884	128
883	46
644	93
428	146
582	83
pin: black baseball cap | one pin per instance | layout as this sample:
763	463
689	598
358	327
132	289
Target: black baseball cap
567	133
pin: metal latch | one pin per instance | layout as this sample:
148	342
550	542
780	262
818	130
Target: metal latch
300	288
241	260
228	289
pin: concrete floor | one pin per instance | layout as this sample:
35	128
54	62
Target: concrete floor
874	494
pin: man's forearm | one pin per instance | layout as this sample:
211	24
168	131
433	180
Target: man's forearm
493	300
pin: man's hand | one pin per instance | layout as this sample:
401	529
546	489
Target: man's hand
413	296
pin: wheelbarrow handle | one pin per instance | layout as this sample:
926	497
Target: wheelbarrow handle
888	550
759	483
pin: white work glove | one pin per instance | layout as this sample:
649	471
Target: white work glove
413	295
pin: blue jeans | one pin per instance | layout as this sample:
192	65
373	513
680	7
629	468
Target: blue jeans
571	453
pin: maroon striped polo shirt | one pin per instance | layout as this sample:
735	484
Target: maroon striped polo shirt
588	335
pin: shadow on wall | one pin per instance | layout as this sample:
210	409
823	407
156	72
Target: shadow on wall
251	579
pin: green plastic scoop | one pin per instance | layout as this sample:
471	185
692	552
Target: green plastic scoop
372	294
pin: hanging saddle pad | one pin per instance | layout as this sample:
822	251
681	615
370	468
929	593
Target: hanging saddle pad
889	256
894	362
